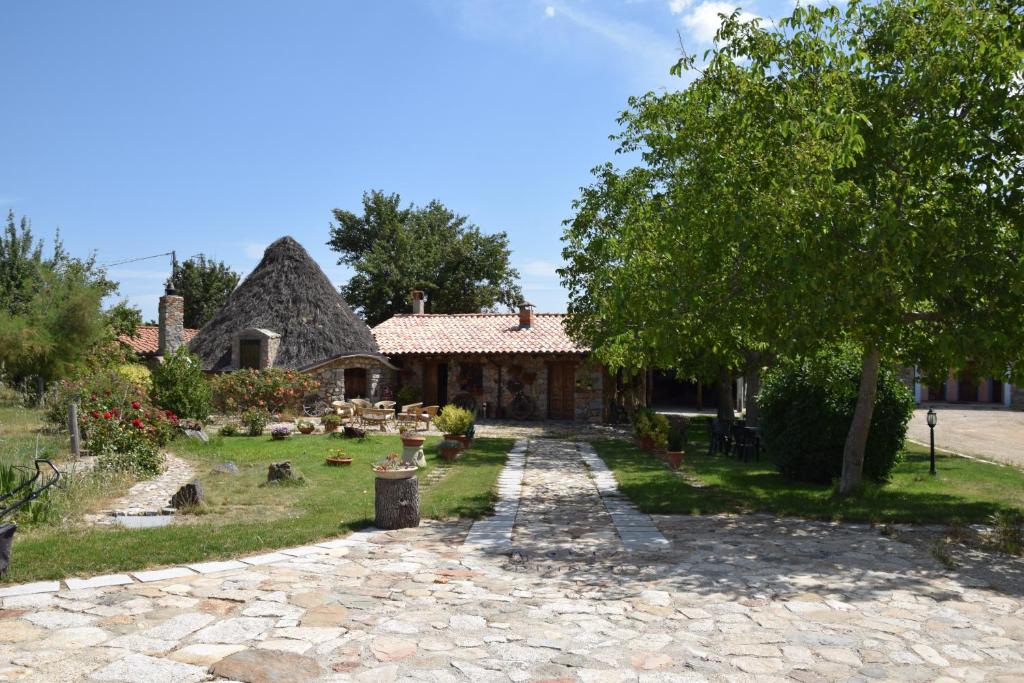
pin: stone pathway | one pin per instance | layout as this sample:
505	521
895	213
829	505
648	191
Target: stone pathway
729	598
149	497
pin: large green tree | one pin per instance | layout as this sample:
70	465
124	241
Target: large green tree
851	175
51	314
206	285
395	249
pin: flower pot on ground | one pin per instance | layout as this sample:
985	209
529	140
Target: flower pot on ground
338	457
455	422
449	449
280	433
674	459
674	452
305	427
331	422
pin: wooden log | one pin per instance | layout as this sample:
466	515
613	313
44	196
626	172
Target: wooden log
397	503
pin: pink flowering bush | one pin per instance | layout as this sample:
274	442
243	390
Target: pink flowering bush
271	390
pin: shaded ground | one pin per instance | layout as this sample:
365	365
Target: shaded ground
987	432
733	598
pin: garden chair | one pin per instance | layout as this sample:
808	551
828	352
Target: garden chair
346	411
386	405
426	415
409	415
360	406
378	417
719	441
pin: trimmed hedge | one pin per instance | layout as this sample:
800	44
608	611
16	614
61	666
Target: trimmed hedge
806	410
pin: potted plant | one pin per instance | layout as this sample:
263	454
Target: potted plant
454	423
651	429
449	450
280	433
338	457
331	422
410	438
674	454
392	467
305	426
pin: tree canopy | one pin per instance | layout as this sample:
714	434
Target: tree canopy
51	315
849	176
205	285
395	250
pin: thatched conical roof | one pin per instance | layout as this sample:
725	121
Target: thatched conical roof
287	293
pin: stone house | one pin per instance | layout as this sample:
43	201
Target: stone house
152	342
485	361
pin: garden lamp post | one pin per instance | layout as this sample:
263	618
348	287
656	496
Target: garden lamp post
932	419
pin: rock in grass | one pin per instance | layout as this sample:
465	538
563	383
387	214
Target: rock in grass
189	495
226	468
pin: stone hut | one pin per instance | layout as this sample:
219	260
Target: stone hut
485	361
287	314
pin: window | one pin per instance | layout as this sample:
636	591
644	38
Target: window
249	353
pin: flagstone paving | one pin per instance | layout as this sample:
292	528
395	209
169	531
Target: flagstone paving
726	598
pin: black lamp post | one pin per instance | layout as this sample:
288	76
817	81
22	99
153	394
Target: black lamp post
932	419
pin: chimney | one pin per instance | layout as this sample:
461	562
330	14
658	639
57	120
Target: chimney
172	323
525	314
418	298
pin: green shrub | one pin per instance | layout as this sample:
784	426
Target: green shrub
138	374
255	421
331	421
230	429
650	424
454	420
180	386
406	395
806	411
272	390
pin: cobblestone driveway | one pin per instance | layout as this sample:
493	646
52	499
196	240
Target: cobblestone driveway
730	598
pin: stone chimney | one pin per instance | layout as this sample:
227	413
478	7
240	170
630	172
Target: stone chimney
418	300
525	314
172	323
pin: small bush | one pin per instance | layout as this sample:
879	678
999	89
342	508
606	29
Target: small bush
138	374
454	420
274	390
255	421
180	386
806	411
230	429
406	395
652	425
330	421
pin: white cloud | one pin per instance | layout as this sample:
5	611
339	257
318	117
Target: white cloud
704	20
677	6
549	11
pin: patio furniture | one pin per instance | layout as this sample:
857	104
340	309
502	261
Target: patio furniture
360	405
377	417
426	415
386	405
749	444
719	441
409	415
346	411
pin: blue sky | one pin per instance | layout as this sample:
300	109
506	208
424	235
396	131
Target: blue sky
216	127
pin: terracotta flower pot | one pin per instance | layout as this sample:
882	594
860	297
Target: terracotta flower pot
647	443
339	461
307	430
674	459
449	454
453	437
465	440
413	441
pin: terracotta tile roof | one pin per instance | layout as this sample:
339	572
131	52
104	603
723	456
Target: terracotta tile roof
474	333
146	341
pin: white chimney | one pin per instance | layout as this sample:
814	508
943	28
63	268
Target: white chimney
418	299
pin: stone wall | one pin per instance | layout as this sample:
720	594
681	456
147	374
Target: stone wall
1017	397
380	378
533	369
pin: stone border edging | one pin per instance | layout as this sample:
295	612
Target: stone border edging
495	532
636	529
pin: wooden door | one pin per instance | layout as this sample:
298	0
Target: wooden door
429	383
562	391
355	383
249	353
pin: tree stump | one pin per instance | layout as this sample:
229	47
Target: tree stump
397	503
280	470
189	495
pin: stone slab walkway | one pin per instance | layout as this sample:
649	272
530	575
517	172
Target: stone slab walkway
149	497
729	598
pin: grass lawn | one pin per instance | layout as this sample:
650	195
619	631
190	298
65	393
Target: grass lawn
965	490
20	432
244	516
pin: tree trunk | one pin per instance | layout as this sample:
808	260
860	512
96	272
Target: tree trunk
752	380
857	437
397	503
724	386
